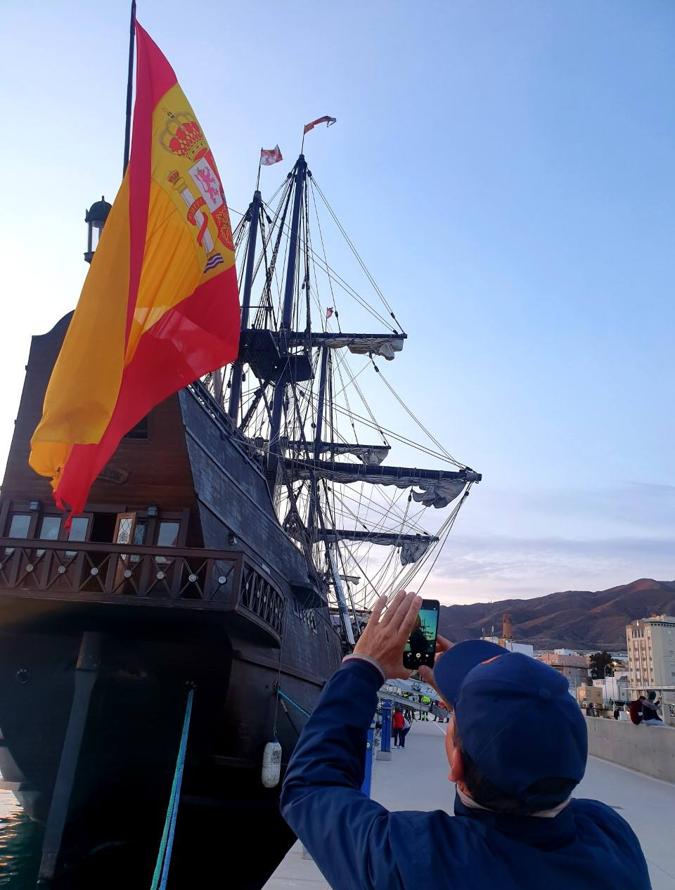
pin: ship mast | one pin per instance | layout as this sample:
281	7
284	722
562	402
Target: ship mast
318	433
283	354
300	174
254	209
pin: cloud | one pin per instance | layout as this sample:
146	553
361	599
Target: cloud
530	542
491	568
633	508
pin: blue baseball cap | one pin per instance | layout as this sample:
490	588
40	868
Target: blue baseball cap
515	719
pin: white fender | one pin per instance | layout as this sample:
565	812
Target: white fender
271	764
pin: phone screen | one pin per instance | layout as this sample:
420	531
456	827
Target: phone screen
421	645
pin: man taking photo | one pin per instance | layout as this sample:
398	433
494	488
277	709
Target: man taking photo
516	745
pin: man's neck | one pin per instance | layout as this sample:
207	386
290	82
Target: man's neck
471	804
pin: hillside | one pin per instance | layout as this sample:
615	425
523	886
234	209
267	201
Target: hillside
579	619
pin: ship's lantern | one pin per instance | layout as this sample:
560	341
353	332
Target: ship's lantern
95	218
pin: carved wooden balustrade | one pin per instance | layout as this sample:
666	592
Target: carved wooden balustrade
113	573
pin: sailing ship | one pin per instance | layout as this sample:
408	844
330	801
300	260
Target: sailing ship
232	547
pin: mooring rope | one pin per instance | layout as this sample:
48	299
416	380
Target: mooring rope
284	697
161	874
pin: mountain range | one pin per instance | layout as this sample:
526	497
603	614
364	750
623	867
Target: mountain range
578	619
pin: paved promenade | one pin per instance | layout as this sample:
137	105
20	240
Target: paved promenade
416	779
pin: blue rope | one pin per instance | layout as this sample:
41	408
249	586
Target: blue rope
291	702
161	873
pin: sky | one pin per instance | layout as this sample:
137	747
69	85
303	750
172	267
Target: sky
507	171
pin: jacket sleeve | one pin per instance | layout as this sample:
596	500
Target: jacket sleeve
345	832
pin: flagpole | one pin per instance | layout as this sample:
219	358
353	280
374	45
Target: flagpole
130	75
257	184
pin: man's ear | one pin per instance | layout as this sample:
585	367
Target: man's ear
457	766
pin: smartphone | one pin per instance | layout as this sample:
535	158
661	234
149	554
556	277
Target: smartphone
421	645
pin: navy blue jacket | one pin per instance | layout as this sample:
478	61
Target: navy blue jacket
359	844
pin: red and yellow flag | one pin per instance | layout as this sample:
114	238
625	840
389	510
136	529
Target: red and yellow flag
159	307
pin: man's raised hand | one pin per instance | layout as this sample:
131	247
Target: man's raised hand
387	632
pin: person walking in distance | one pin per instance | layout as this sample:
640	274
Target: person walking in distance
397	723
406	729
516	825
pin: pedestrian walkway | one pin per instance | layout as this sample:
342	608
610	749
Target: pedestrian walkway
416	779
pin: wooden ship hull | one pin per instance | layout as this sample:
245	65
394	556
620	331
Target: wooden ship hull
177	576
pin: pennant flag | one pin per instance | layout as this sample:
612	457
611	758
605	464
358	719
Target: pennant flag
329	312
269	156
326	119
159	307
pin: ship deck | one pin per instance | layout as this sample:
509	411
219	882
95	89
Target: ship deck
416	778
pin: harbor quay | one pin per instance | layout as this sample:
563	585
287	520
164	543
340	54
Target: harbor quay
416	778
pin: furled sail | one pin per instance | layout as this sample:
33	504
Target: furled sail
368	454
432	488
412	547
268	354
365	344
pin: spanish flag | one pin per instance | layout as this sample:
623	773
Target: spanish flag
159	307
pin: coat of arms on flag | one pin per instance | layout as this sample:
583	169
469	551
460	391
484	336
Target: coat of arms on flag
269	156
159	307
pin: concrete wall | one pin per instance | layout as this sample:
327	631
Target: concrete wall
646	749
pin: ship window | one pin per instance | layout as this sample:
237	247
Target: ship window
19	525
167	536
139	539
77	531
125	528
50	526
139	533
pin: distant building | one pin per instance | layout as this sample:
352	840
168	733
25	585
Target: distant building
524	648
506	640
651	652
507	626
570	664
614	688
590	695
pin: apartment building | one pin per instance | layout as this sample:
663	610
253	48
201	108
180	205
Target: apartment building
570	664
651	652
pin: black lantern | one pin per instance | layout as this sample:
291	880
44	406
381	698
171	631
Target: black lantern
95	218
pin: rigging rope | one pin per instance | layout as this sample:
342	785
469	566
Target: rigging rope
399	438
412	414
348	289
161	873
360	261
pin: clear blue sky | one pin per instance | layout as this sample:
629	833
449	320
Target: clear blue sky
507	170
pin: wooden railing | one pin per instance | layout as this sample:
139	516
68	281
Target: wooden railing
187	577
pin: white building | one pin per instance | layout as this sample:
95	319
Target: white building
651	658
651	652
614	688
523	648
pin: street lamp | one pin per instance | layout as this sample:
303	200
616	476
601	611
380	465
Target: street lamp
95	218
